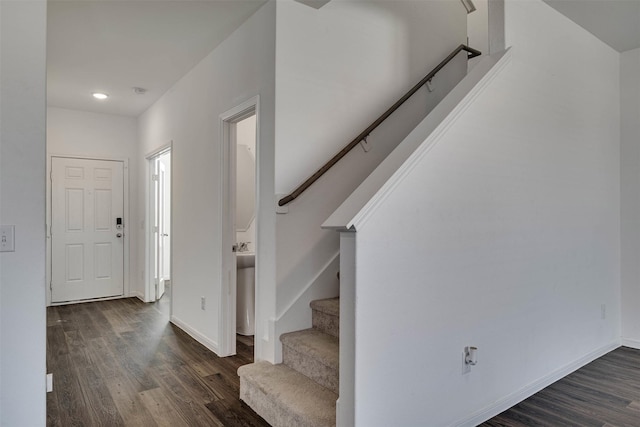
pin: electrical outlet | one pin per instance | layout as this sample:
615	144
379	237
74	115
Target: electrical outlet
203	303
466	368
603	311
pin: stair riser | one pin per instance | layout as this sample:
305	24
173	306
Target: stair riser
265	406
311	368
269	408
326	323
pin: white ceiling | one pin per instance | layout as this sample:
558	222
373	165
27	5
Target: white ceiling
115	45
615	22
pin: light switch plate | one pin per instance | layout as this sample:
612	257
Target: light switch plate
7	238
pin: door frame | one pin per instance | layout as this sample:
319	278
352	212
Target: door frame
49	225
228	289
149	285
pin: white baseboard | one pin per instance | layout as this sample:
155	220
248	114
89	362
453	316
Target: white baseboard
297	315
631	343
138	295
82	301
514	398
334	262
195	334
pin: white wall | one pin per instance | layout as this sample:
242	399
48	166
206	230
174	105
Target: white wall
22	204
102	136
338	69
505	236
630	203
188	114
478	30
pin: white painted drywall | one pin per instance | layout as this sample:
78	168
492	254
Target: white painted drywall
505	236
102	136
630	195
188	114
478	30
22	204
337	70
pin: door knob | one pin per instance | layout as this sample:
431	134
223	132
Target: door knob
119	235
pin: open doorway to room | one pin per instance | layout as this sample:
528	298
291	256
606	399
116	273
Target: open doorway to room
240	144
158	284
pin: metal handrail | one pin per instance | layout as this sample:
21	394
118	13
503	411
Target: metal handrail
471	53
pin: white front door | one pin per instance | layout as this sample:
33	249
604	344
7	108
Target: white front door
87	233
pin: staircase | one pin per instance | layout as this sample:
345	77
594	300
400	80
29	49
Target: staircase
301	391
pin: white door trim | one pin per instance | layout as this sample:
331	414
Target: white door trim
127	223
149	285
228	291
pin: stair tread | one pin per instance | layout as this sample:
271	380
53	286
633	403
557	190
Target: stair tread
316	344
329	306
298	394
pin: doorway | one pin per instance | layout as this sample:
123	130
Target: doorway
159	234
240	228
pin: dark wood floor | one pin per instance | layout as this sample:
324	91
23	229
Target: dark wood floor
606	392
121	363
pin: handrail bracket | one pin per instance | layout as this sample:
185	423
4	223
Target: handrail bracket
362	138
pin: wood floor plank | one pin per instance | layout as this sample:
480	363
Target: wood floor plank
162	409
188	402
227	408
53	411
549	405
121	362
56	340
129	403
118	324
72	406
100	404
604	393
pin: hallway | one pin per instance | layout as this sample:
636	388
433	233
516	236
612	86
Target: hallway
121	363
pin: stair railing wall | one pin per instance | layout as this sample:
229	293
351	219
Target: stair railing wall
471	53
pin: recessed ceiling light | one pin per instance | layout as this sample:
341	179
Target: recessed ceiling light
100	95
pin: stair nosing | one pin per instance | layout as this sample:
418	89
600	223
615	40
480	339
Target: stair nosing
281	388
297	341
326	308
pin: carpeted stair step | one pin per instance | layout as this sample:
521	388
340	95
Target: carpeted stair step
313	354
285	397
326	315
